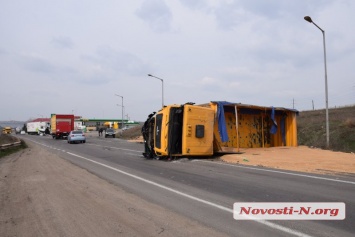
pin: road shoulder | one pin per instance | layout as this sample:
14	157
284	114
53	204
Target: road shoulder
44	195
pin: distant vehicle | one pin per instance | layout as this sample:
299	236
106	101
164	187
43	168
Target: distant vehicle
61	125
18	130
7	130
110	133
35	128
125	128
76	136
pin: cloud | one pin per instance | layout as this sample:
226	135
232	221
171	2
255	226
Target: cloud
195	4
120	62
3	51
208	81
157	14
36	63
62	42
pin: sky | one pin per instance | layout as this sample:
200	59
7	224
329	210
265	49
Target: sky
76	56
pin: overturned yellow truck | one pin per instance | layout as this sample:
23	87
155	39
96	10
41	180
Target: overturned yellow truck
217	127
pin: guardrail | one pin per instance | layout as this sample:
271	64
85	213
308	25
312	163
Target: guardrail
9	145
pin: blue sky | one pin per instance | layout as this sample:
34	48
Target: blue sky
74	56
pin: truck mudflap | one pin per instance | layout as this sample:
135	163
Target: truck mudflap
63	135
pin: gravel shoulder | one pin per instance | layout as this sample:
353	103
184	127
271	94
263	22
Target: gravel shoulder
44	195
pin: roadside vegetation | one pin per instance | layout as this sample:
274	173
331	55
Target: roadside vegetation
312	129
132	133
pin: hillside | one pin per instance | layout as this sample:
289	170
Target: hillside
312	132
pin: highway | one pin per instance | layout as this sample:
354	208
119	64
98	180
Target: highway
205	189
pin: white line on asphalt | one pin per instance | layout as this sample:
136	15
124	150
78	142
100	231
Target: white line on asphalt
280	172
245	167
269	224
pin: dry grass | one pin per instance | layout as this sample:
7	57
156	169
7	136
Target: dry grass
350	122
6	138
312	131
132	133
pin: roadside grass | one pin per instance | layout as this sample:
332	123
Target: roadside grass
311	126
131	133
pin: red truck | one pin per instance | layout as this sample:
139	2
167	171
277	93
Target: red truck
61	125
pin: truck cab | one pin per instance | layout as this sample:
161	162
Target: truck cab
179	130
7	130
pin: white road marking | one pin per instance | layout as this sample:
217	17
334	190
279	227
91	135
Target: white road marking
267	223
280	172
243	167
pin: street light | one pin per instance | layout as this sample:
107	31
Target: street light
122	113
309	19
162	88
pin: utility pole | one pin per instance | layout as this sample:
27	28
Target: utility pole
313	104
309	19
122	113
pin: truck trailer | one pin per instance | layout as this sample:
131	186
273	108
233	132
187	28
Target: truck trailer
61	125
36	128
216	127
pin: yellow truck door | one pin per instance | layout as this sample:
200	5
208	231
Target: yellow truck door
197	133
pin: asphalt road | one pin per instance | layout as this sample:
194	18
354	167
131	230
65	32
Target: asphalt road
205	189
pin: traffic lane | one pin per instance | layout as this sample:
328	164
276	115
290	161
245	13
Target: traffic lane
255	188
314	228
252	185
117	142
218	219
183	203
221	220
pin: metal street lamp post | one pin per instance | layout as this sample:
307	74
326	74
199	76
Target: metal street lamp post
309	19
162	88
122	113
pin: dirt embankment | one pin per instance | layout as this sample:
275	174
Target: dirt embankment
44	195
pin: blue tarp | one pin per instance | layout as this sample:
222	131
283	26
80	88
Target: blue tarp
273	129
222	127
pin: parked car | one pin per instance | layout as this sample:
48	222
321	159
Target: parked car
110	133
76	136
